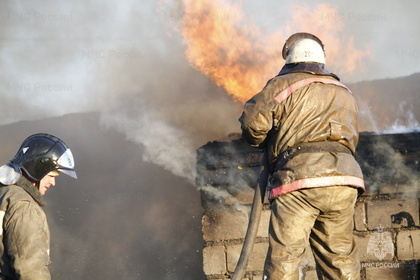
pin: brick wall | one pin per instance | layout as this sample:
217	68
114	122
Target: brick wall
387	214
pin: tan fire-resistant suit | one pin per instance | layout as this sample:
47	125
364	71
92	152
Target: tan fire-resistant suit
307	122
25	235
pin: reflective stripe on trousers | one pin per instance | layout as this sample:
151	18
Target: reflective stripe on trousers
322	216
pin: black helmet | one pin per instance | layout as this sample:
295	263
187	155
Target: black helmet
42	153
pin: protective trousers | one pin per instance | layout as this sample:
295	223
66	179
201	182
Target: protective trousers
324	217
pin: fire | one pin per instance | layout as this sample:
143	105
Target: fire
240	57
233	53
326	22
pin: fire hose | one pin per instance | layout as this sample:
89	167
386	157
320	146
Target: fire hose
254	219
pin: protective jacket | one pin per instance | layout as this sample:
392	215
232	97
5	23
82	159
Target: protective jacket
25	235
307	122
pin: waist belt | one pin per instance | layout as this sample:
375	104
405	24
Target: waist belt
312	147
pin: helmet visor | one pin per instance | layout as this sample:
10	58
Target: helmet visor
69	172
66	164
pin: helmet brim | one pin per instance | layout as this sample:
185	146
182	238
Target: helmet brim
69	172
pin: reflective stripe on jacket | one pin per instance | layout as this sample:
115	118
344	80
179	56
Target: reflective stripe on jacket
302	108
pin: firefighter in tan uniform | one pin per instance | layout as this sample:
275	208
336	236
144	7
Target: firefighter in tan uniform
306	120
25	236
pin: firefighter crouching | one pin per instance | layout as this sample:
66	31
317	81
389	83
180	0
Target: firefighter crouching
306	120
25	235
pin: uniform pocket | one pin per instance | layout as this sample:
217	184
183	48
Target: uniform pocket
335	131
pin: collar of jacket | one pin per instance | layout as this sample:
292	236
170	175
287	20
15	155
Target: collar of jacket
311	68
31	189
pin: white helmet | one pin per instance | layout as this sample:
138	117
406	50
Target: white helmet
305	50
303	47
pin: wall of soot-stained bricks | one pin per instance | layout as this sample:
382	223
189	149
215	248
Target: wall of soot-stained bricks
387	226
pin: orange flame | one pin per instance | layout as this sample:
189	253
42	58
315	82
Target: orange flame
238	56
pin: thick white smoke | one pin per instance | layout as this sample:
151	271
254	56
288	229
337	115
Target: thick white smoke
406	120
165	144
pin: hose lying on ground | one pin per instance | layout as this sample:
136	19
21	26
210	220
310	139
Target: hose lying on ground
254	220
